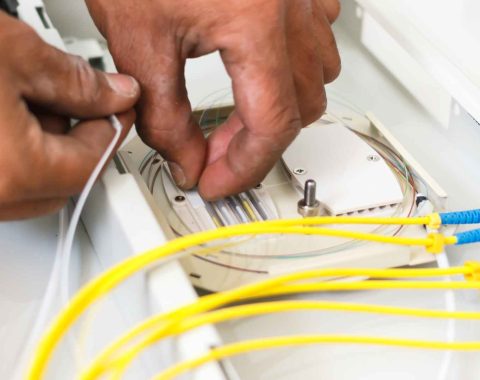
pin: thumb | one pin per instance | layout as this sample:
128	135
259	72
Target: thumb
71	158
68	85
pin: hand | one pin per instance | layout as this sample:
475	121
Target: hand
278	53
42	160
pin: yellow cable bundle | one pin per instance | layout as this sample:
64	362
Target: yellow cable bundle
179	326
292	283
262	344
110	279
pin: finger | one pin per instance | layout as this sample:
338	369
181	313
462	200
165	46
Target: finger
327	44
69	160
220	138
265	102
66	84
306	61
165	119
166	122
332	9
31	209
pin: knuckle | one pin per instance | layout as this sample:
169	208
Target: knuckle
283	120
312	101
313	110
332	71
169	131
163	140
150	136
333	9
157	138
283	114
85	88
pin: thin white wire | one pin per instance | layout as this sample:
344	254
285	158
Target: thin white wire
68	242
59	276
48	299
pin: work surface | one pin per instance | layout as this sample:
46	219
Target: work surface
451	156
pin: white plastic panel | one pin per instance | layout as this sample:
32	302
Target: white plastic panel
34	14
441	37
418	81
351	176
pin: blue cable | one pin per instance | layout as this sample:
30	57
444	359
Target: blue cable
468	237
461	217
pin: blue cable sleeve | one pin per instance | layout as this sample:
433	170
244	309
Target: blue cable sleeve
461	217
468	237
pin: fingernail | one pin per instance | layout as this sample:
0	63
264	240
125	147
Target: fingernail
177	174
125	85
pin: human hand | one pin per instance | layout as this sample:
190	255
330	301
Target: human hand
278	53
42	160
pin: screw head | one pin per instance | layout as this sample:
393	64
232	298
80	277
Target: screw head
179	199
373	158
299	171
258	187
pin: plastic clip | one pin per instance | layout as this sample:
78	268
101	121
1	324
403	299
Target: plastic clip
475	267
435	221
437	243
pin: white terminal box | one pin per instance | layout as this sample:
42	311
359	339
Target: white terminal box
386	70
350	175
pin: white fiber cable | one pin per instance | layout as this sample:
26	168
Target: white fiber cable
59	278
48	300
66	252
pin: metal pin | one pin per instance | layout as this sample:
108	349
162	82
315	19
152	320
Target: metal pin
310	193
309	205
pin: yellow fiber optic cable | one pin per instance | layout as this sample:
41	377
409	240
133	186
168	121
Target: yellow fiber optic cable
289	289
346	220
120	364
372	285
319	220
301	340
276	286
267	288
279	290
111	278
202	251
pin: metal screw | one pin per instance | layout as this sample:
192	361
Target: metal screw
373	158
310	193
259	186
179	198
300	171
309	205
